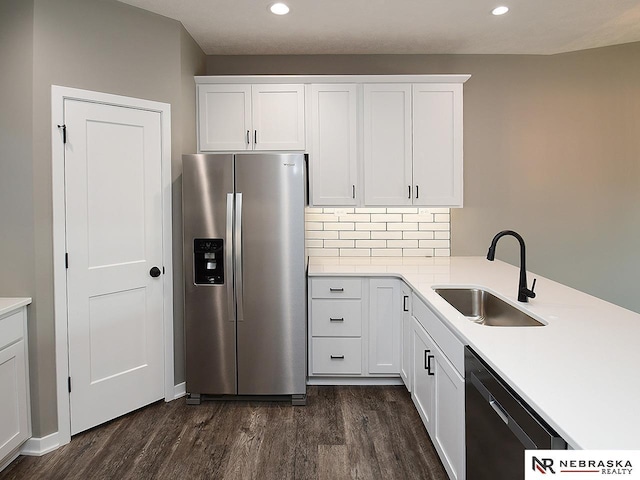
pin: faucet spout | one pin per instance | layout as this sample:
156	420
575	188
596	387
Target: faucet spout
524	294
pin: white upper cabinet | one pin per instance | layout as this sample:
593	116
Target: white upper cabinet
437	145
333	150
387	144
238	117
224	117
278	117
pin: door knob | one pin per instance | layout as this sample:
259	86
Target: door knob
155	272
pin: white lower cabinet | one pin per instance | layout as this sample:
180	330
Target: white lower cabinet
363	329
385	326
354	328
406	357
438	394
15	424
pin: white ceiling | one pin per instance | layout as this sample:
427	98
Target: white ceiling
246	27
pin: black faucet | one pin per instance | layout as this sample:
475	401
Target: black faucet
524	294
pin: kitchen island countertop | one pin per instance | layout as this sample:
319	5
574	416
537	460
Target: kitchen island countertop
579	372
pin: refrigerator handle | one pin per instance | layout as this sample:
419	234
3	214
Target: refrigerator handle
238	248
228	258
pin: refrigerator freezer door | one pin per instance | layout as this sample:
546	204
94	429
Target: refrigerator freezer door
272	330
210	329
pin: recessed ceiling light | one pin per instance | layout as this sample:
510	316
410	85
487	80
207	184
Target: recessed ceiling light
279	9
500	10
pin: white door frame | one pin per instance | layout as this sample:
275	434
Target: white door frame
58	96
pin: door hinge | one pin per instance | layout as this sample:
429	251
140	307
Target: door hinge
69	383
66	260
64	132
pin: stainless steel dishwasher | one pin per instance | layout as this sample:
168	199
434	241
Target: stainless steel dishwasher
499	425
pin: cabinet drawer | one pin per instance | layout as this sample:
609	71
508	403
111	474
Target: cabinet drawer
336	288
336	318
450	345
336	356
11	328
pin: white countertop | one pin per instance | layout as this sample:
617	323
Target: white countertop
9	304
579	372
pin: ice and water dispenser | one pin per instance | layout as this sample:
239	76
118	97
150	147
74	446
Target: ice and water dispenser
208	261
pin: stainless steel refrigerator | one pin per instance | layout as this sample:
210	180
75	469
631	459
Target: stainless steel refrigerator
244	268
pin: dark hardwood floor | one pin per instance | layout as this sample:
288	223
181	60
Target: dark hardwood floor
342	433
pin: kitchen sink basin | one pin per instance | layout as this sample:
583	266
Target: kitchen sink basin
485	308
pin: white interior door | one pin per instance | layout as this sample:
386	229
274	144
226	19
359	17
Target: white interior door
113	188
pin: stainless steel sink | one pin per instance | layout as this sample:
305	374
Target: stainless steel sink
485	308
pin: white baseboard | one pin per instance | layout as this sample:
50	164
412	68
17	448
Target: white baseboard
179	390
36	447
354	381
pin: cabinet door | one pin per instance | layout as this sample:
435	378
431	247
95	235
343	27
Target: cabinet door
224	117
14	403
278	117
384	326
334	166
437	145
387	144
438	394
406	357
423	391
448	436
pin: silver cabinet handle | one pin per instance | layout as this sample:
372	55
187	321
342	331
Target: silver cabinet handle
353	190
331	289
336	319
255	137
239	279
417	191
337	357
248	139
228	258
409	191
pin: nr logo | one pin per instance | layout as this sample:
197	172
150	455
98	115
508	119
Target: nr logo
542	465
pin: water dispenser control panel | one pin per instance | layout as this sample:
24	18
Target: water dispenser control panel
208	260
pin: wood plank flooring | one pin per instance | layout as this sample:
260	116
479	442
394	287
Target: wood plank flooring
343	433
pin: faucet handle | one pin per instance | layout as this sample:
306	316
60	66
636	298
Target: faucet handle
533	286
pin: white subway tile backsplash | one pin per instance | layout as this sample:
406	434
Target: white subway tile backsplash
386	217
371	243
371	226
355	252
378	232
338	243
372	210
386	235
338	226
355	217
386	252
402	226
355	235
402	243
423	235
321	235
418	217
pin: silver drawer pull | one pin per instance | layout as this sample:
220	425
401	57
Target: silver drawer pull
331	289
337	357
336	319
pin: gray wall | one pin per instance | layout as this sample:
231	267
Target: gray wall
552	150
100	45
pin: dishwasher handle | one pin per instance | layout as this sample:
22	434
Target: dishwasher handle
502	413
